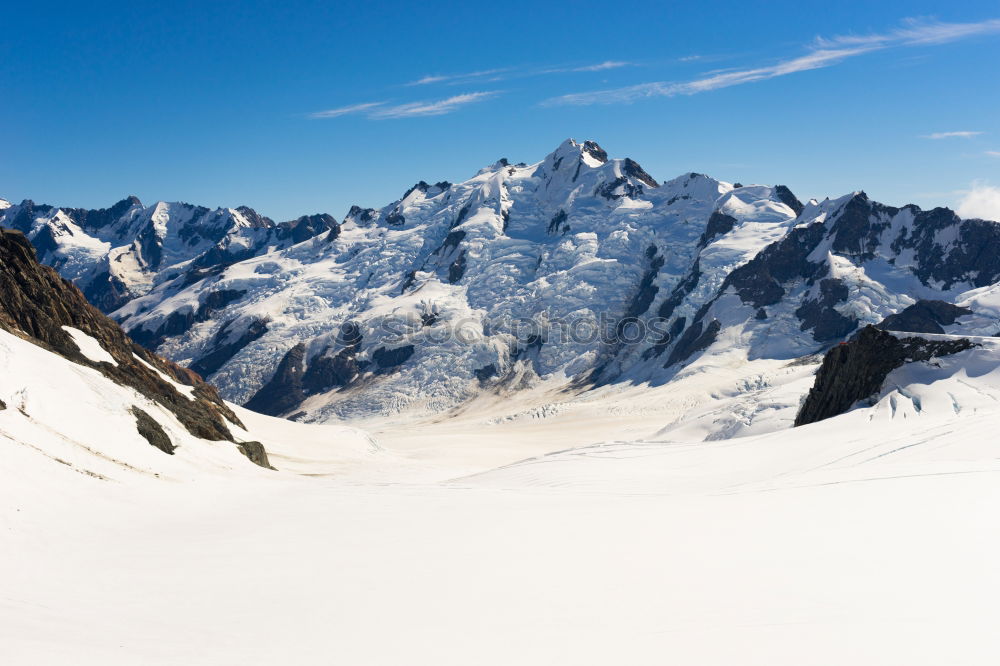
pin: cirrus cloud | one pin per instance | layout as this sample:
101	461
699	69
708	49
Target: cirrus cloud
432	108
345	110
963	134
824	52
382	110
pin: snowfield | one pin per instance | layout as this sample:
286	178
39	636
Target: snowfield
685	524
451	488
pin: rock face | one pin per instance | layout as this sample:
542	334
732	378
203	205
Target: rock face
924	317
36	304
284	391
851	262
152	432
855	370
255	452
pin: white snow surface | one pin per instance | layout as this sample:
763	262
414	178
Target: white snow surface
540	528
91	348
567	239
137	246
464	277
672	515
499	284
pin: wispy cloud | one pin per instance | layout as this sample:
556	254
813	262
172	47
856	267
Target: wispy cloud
345	110
992	153
814	60
600	67
824	52
459	78
433	108
504	73
914	32
964	134
382	110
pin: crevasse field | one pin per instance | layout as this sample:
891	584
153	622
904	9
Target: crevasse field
551	528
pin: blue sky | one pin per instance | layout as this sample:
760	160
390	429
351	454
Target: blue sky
301	107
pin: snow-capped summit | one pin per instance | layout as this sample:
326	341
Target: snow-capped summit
115	254
578	270
568	241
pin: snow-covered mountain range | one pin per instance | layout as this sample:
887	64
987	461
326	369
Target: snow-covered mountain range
595	497
574	272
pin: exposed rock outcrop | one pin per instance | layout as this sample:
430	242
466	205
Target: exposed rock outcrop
152	431
255	452
924	317
386	358
284	390
789	199
35	304
226	344
856	370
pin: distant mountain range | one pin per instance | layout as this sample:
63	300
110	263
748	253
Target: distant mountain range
575	271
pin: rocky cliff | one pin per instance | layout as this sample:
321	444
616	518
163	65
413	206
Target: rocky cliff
856	370
44	308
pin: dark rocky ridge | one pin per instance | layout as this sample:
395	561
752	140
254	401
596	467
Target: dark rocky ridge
297	377
859	230
178	323
631	168
924	317
855	370
307	226
819	314
35	303
152	432
786	197
595	151
718	224
695	339
284	390
225	345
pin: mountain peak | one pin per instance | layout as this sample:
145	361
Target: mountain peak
570	155
595	151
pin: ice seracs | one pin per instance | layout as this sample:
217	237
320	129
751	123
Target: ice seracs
491	285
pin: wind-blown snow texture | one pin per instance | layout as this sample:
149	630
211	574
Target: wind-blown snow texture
577	239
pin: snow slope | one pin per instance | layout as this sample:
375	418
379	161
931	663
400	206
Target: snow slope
868	538
59	413
589	503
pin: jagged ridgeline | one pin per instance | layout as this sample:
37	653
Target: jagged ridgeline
40	306
580	269
856	370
